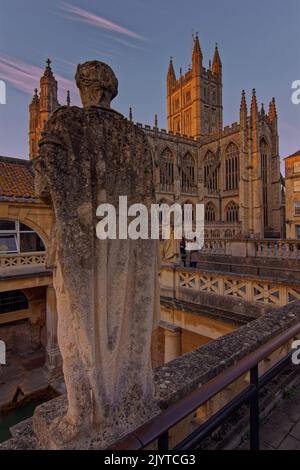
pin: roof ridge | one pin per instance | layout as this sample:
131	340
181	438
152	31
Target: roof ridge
15	160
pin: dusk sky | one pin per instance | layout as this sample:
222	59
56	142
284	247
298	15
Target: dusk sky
259	44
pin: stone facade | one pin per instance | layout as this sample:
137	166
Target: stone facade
234	171
292	184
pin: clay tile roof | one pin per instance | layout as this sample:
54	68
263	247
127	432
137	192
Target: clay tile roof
16	178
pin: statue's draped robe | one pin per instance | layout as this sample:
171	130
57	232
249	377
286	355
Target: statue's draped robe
107	291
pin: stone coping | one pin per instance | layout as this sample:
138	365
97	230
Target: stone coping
181	376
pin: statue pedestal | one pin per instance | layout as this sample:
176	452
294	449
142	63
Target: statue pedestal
35	433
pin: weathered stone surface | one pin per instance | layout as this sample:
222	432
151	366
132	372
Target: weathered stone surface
107	290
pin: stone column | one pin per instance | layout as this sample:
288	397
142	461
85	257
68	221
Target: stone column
172	342
53	357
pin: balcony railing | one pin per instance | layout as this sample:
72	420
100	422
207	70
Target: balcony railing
158	429
222	230
278	249
19	260
175	280
287	249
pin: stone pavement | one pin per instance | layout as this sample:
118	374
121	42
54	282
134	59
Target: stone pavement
281	429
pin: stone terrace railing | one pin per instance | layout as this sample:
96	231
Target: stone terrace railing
278	249
178	379
177	281
286	249
19	260
204	370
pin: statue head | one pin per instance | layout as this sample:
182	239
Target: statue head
97	84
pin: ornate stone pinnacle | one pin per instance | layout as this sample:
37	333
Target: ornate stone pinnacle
48	70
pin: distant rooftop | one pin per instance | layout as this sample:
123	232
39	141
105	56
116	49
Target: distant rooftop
16	179
293	155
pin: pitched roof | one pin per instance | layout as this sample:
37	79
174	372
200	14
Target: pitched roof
293	155
16	178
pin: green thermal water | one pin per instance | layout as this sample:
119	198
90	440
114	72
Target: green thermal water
16	415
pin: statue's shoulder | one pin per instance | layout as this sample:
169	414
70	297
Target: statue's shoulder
61	123
65	113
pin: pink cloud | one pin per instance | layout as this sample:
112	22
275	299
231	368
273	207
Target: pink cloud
98	21
26	77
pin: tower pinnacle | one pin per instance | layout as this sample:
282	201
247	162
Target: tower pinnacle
243	110
272	110
35	98
217	64
254	109
171	73
197	47
48	71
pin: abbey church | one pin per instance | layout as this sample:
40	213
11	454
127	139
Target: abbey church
234	170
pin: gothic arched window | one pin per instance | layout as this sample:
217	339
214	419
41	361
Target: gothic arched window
188	173
211	177
232	212
166	173
232	167
264	156
210	212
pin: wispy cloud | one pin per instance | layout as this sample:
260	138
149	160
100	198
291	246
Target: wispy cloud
101	53
66	62
26	77
126	43
93	19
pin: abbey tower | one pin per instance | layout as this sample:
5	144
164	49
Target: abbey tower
194	100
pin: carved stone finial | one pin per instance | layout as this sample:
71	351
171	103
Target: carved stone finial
97	84
130	114
48	71
68	98
35	98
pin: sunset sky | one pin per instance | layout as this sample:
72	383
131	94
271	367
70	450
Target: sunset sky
259	44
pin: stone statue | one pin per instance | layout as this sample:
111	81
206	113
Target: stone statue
170	252
107	290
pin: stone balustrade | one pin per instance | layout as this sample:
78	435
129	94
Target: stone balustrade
278	249
220	230
18	260
286	249
176	281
